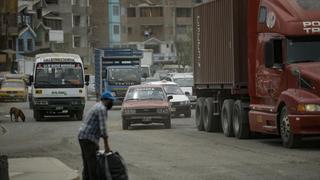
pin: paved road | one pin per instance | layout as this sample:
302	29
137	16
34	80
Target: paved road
155	153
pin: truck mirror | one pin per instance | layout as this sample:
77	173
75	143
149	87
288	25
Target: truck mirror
295	71
187	93
170	97
268	54
145	75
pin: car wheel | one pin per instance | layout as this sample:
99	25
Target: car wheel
289	140
199	114
240	121
79	115
125	124
188	114
226	117
167	124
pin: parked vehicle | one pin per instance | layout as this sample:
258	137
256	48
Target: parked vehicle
185	81
13	90
146	104
116	69
58	86
180	103
256	68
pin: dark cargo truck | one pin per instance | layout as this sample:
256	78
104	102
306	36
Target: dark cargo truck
257	68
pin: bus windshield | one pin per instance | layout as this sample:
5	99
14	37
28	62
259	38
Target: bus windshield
59	74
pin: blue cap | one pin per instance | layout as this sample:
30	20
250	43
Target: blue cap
107	95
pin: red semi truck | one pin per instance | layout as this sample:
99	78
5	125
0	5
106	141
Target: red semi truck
257	68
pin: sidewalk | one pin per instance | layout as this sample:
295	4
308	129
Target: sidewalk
45	168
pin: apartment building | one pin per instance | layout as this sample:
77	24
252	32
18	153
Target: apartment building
8	32
157	25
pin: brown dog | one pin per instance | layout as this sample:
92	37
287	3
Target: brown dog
17	113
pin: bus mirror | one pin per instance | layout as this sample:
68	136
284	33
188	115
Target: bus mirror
30	80
86	79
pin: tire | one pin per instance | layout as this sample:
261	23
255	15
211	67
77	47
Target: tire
188	114
79	115
167	124
289	140
37	115
240	121
125	124
226	117
211	123
199	114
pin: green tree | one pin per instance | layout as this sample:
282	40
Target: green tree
184	48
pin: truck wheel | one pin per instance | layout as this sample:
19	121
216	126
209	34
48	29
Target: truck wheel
125	124
37	115
199	114
167	124
240	121
79	115
211	123
289	140
226	117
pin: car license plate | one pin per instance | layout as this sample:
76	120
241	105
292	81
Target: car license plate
59	108
146	119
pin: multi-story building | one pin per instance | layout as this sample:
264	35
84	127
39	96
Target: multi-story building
8	32
157	25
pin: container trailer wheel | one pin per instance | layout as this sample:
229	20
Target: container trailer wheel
289	140
240	121
199	114
211	123
226	117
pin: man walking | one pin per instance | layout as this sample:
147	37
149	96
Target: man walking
92	129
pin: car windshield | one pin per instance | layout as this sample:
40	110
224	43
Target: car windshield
59	74
184	82
12	85
303	50
173	90
145	93
124	74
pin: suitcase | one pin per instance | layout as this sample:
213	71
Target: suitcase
111	166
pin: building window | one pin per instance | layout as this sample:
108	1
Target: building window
47	37
152	30
52	1
88	20
183	12
115	10
129	30
20	45
53	24
182	29
154	47
131	12
116	29
76	41
75	2
151	12
76	20
30	45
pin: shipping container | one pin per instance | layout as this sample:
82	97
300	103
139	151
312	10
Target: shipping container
220	45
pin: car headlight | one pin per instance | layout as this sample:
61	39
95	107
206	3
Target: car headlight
185	102
129	111
308	108
163	110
